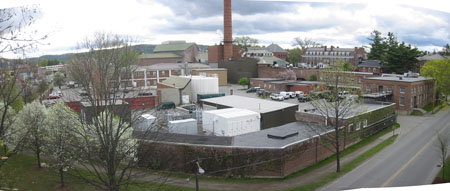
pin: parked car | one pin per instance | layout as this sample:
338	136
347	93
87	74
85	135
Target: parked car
259	92
278	97
302	99
285	94
291	94
299	93
254	89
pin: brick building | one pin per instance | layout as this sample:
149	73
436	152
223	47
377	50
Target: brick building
373	66
314	56
426	58
220	73
171	52
149	76
278	51
225	51
408	92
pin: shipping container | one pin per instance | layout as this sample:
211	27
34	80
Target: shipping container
185	126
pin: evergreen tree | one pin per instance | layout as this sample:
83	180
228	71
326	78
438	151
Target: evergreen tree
378	46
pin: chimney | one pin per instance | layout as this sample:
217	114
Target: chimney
227	31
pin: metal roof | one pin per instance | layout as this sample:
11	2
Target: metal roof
160	55
275	48
172	47
252	104
173	66
370	63
431	57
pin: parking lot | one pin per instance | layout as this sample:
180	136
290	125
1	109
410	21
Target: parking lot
241	91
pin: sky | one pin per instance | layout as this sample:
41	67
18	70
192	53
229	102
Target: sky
344	23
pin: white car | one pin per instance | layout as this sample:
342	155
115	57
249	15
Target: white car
278	97
291	94
285	94
299	93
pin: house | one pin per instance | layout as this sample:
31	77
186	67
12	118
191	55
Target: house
373	66
424	59
171	52
278	51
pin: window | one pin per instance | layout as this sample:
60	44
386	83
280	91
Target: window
374	70
389	88
368	89
365	123
270	86
358	126
163	72
138	74
402	101
402	90
350	128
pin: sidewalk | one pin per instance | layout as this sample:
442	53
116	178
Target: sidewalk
272	185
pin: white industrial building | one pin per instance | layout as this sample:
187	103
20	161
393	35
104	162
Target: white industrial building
202	85
230	122
185	126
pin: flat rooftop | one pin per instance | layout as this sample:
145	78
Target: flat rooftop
271	138
397	78
356	109
252	104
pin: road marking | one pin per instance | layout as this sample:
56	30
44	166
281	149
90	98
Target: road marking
410	160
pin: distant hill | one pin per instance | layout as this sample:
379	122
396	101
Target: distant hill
142	48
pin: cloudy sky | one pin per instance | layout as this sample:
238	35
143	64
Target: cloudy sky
345	23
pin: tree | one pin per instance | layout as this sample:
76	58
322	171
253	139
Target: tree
32	117
288	74
245	42
295	56
13	37
439	70
305	42
332	107
378	47
61	122
58	79
348	67
313	78
446	50
442	146
53	62
244	82
43	63
105	146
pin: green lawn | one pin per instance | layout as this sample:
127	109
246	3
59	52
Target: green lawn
348	167
447	170
21	172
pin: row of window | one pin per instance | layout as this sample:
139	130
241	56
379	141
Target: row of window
153	73
328	53
358	126
374	70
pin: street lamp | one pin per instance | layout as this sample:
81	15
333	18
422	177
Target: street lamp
199	171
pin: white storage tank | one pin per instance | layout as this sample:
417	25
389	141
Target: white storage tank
145	122
231	122
185	126
203	85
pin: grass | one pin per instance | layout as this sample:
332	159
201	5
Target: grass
348	167
306	170
21	172
416	113
447	170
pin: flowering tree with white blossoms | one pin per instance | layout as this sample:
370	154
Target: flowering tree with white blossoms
59	139
32	119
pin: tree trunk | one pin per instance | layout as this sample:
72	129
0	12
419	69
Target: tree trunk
38	156
61	176
338	166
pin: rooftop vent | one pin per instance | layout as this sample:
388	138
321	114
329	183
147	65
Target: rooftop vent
282	136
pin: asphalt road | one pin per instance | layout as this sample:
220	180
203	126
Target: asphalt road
411	160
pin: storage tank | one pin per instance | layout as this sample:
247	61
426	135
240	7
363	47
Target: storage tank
185	126
231	122
203	85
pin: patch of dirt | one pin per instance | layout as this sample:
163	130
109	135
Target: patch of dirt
438	180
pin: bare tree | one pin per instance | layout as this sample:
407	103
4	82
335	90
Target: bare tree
305	42
288	74
443	142
106	148
333	107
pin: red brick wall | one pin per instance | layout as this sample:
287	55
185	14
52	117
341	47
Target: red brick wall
369	69
281	55
147	62
267	72
215	53
76	106
146	102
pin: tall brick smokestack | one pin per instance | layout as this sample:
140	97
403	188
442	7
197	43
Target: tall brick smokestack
227	31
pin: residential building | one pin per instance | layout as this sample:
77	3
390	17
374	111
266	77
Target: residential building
406	91
315	55
426	58
171	52
370	66
278	51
